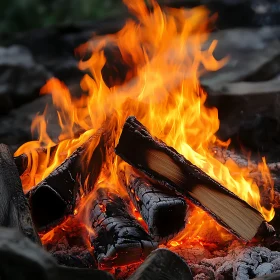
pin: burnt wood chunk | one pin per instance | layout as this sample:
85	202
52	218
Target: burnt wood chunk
165	165
22	259
21	162
14	208
118	238
163	211
163	264
55	197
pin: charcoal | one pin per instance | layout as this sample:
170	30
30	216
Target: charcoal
163	211
21	162
76	257
14	208
21	259
55	197
163	264
118	238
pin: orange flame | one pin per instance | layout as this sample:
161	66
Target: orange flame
166	55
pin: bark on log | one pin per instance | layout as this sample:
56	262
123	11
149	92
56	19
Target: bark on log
55	197
14	208
163	264
163	211
118	238
137	147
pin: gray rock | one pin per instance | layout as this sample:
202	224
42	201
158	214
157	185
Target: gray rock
264	269
20	77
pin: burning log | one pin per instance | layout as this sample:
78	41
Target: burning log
21	162
165	165
14	208
118	238
163	264
163	211
55	197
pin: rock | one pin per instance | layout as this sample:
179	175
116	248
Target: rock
264	269
21	77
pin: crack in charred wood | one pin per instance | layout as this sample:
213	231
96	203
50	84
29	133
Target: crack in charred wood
163	211
14	208
118	238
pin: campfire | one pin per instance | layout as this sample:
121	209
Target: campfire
138	166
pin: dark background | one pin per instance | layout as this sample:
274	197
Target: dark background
38	38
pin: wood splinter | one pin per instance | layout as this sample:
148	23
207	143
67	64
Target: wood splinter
165	165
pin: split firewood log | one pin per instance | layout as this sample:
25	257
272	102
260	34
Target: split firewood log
165	165
55	197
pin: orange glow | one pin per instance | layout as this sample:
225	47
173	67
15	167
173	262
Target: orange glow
166	55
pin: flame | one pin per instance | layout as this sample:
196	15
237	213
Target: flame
166	53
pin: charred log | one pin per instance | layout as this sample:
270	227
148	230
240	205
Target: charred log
163	211
55	197
14	208
21	162
163	264
165	165
75	257
118	238
22	259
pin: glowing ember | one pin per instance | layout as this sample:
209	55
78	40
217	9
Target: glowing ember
164	52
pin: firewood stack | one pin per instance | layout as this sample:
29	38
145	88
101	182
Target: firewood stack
159	182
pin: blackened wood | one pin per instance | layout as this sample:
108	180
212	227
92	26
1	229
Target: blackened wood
118	238
75	257
163	211
14	208
137	147
67	273
55	197
163	264
21	259
21	162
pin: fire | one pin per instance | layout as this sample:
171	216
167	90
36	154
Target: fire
166	55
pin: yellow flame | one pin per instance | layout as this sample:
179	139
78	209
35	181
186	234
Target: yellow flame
166	55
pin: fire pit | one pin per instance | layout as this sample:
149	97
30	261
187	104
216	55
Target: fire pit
138	184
